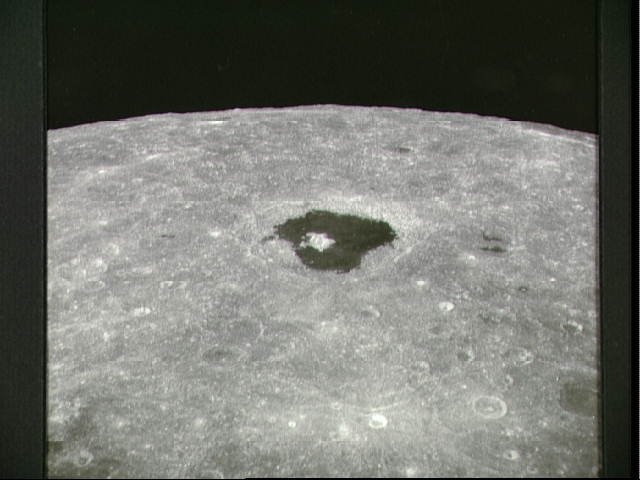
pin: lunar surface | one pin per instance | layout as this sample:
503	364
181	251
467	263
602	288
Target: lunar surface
190	336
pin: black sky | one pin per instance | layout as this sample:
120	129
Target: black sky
525	60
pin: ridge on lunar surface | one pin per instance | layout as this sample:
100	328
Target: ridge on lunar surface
183	344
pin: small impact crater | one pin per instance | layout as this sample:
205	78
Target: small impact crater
465	356
489	407
329	241
377	421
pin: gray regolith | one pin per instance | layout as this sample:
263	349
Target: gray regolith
182	344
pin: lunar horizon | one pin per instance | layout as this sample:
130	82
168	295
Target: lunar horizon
322	291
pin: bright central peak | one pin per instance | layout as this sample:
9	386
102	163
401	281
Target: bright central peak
319	241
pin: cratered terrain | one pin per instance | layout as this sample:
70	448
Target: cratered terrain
322	291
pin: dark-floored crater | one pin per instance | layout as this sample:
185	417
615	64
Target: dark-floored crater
329	241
